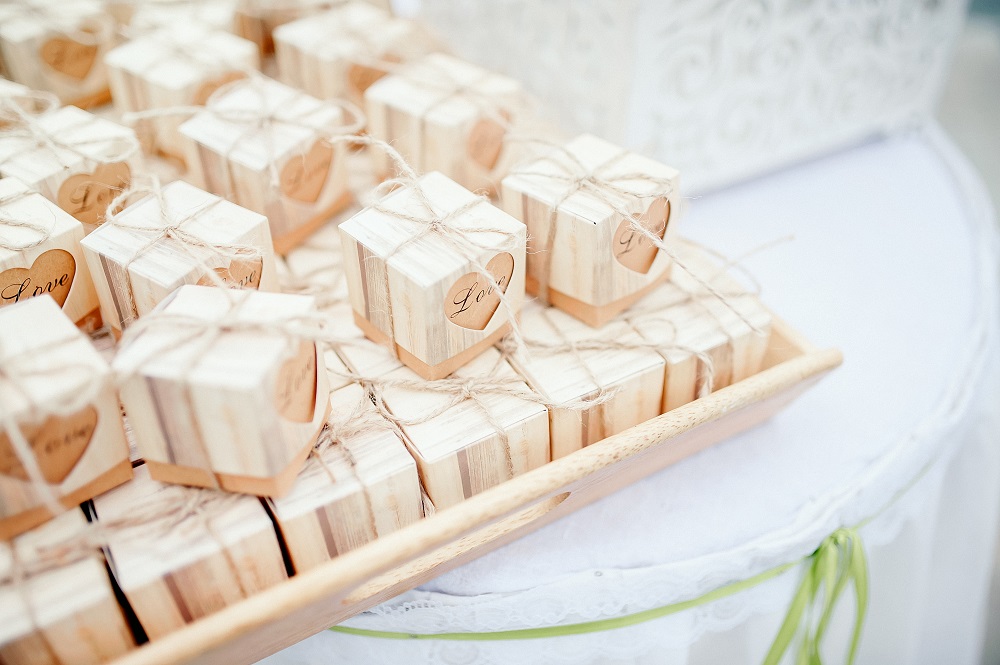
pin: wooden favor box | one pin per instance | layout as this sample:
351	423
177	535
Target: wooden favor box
444	114
284	169
361	487
79	453
174	67
62	611
633	378
59	46
342	52
179	554
422	292
461	446
268	387
56	267
257	20
594	263
84	164
146	16
136	269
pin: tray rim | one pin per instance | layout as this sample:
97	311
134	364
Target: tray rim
339	578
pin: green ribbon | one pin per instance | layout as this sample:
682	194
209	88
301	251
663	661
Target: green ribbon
839	561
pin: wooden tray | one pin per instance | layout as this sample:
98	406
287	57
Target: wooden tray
326	595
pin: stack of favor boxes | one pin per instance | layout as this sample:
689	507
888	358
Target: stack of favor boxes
337	302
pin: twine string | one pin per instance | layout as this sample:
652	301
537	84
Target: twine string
362	418
16	372
443	226
171	228
32	102
262	119
42	231
56	142
612	190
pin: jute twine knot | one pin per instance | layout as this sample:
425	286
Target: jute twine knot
614	190
171	227
28	126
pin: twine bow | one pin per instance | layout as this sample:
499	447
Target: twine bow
838	562
171	228
55	141
430	220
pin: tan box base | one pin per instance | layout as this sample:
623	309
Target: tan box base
274	486
431	372
593	315
90	322
290	241
29	519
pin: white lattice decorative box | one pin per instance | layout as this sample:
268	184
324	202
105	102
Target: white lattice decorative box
722	90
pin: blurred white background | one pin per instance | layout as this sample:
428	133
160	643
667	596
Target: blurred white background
970	111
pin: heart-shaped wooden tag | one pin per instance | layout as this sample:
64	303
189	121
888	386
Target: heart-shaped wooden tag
471	301
87	196
304	175
208	87
633	249
486	141
241	274
295	389
58	444
51	273
68	56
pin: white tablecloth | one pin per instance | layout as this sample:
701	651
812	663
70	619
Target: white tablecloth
894	260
